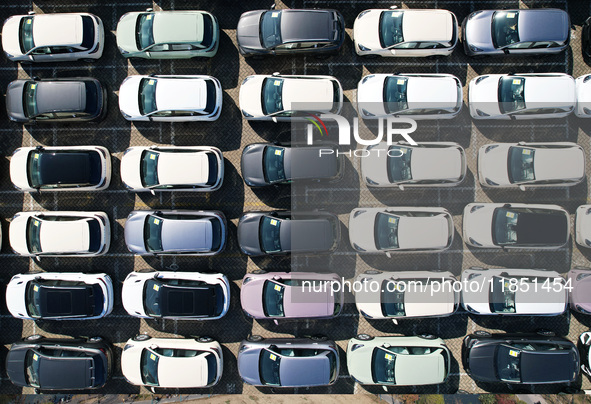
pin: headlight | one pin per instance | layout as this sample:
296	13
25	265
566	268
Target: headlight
587	78
473	275
123	51
356	346
126	151
474	48
366	112
363	48
246	114
364	314
358	212
370	181
8	55
588	242
489	182
474	14
246	280
126	116
481	113
357	247
367	78
491	147
583	275
127	186
587	110
475	208
361	14
246	79
472	241
479	79
127	346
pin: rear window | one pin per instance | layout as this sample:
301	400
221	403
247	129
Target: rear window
92	97
87	32
213	166
95	234
212	96
216	234
212	368
207	31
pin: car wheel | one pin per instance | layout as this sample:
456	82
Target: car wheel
427	336
546	333
254	338
35	337
364	337
372	272
141	337
318	338
259	271
204	339
482	333
95	339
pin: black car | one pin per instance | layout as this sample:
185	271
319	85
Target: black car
277	32
524	359
284	232
59	364
265	164
56	100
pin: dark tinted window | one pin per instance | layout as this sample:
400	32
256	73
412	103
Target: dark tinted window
153	233
395	94
511	94
273	299
212	368
505	226
207	31
391	28
269	234
271	94
32	368
26	34
152	303
399	169
92	97
273	168
382	366
392	299
521	164
144	32
149	168
386	231
147	96
271	29
87	32
30	99
149	368
33	233
212	94
504	28
508	363
502	299
269	368
216	234
95	235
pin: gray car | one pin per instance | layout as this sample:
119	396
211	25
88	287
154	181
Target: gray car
265	164
288	362
276	32
284	232
56	100
175	232
520	32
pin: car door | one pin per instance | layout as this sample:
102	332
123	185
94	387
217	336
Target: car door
405	49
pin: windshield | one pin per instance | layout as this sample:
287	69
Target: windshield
271	29
399	164
386	231
505	226
508	363
273	299
502	300
273	164
144	31
269	234
391	28
147	96
149	168
30	99
33	235
33	172
382	366
152	297
504	28
149	368
395	94
272	89
26	35
269	368
392	299
511	94
32	368
33	299
521	164
153	233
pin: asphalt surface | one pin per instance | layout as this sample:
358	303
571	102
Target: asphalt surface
231	134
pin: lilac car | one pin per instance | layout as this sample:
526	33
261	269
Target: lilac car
579	279
279	295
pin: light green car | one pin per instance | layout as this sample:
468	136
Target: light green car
168	34
398	361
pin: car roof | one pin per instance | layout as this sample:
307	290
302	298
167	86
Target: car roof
65	373
541	228
304	371
423	232
178	27
67	301
57	30
436	163
420	369
306	235
183	168
60	96
543	25
179	94
187	235
306	25
65	168
65	237
307	162
427	26
307	94
547	366
188	301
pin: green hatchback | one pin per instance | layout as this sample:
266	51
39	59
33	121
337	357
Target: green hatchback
168	34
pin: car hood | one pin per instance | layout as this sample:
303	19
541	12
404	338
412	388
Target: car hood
250	95
248	366
479	224
484	95
248	234
247	32
366	29
132	295
15	297
10	35
126	32
581	292
130	167
359	361
130	362
17	234
251	165
478	30
370	94
15	366
361	230
375	166
14	100
481	363
134	232
18	168
493	164
307	162
251	297
128	96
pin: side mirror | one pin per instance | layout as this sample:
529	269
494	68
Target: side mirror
388	254
275	322
506	51
153	346
276	74
274	119
401	187
153	192
273	6
149	9
394	321
36	78
385	388
31	12
522	187
393	7
37	258
151	75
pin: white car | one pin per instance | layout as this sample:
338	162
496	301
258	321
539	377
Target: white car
583	226
176	295
170	98
499	291
172	362
406	294
280	97
515	225
405	32
60	37
170	168
400	229
420	96
583	94
60	296
61	233
64	168
428	164
521	96
530	165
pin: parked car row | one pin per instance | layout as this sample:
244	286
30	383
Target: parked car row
515	359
